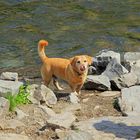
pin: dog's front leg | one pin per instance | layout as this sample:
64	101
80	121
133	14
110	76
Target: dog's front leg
78	88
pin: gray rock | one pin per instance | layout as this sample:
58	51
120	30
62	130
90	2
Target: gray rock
4	107
126	80
63	120
13	76
98	82
111	54
42	94
78	135
73	98
110	128
9	86
131	57
114	69
130	100
135	68
12	136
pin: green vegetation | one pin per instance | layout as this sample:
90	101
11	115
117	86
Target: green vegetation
20	98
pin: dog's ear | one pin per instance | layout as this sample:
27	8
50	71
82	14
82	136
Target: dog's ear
89	59
73	61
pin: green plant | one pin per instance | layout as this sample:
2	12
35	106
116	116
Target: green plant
20	98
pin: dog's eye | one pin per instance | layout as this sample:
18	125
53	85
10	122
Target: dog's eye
78	62
85	61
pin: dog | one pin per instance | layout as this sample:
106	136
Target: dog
73	70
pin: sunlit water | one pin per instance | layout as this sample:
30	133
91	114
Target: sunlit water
71	26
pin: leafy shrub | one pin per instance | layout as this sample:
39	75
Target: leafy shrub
20	98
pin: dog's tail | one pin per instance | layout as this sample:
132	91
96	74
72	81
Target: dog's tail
41	49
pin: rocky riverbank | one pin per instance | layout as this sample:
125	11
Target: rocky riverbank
108	107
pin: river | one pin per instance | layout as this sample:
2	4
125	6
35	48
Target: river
71	27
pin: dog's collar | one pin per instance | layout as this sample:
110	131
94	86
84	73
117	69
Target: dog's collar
79	74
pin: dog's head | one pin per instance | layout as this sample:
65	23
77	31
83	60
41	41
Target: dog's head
80	63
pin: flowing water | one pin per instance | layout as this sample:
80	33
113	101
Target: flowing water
71	26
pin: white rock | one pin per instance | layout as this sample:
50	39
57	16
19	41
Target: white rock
73	98
9	86
97	82
13	76
42	93
111	54
64	120
11	136
130	100
131	57
4	107
114	69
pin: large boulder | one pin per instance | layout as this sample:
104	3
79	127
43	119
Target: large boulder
126	80
97	82
4	107
130	100
135	68
131	57
114	69
11	87
111	54
13	76
132	63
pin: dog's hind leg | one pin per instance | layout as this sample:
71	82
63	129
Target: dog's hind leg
56	84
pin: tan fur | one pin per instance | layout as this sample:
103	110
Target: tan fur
69	70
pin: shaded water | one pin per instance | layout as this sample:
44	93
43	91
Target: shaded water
71	27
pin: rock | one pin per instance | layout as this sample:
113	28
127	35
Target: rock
114	69
13	76
20	114
10	124
42	94
63	120
99	64
9	86
12	136
111	54
73	98
4	107
110	128
126	80
98	82
130	100
49	112
78	135
32	98
135	68
131	57
110	94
